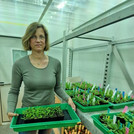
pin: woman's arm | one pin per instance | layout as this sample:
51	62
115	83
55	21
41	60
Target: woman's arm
61	92
14	90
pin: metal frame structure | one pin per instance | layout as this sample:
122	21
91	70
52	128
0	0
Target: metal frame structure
70	63
118	13
45	10
114	15
64	59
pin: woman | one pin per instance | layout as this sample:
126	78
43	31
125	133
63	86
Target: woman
39	72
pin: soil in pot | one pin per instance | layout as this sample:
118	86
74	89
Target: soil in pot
121	120
60	118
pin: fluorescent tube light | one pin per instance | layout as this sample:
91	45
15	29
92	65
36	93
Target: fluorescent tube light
61	5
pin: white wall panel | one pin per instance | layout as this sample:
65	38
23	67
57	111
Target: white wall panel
6	46
120	30
117	79
57	53
4	91
12	29
89	65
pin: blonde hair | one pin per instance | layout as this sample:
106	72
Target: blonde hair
30	31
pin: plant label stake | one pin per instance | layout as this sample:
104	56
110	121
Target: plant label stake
94	101
93	87
87	102
127	130
87	97
123	94
125	109
128	125
108	111
114	93
114	119
88	91
90	95
130	92
120	126
73	90
106	89
118	96
76	89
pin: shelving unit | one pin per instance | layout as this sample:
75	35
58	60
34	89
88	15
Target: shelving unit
120	12
114	15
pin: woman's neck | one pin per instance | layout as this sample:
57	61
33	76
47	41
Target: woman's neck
38	56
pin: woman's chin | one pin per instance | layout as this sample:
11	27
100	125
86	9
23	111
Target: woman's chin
39	50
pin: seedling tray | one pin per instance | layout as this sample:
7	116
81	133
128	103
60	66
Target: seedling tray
132	115
92	108
121	105
70	119
99	125
102	127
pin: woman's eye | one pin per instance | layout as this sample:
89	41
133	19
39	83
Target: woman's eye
42	37
33	37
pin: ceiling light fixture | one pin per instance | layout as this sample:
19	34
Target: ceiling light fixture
61	5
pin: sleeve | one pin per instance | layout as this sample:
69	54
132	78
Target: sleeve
15	88
59	91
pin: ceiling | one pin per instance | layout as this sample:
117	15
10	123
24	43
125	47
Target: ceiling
64	13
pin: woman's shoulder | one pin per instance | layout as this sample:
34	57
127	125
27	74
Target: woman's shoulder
54	60
21	60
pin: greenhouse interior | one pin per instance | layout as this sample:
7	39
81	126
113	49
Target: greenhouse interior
79	57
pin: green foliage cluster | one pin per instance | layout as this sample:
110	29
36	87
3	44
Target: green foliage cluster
81	97
69	86
91	101
118	98
117	128
97	92
82	85
77	88
71	93
132	112
41	112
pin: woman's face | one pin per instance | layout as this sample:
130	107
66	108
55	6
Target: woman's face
37	41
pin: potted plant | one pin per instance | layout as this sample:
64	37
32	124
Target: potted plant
18	124
68	86
71	93
112	125
41	114
131	112
88	100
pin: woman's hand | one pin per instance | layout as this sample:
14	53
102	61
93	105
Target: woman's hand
70	102
10	115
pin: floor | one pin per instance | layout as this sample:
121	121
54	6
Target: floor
5	129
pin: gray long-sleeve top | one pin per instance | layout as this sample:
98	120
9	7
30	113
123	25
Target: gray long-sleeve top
40	84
